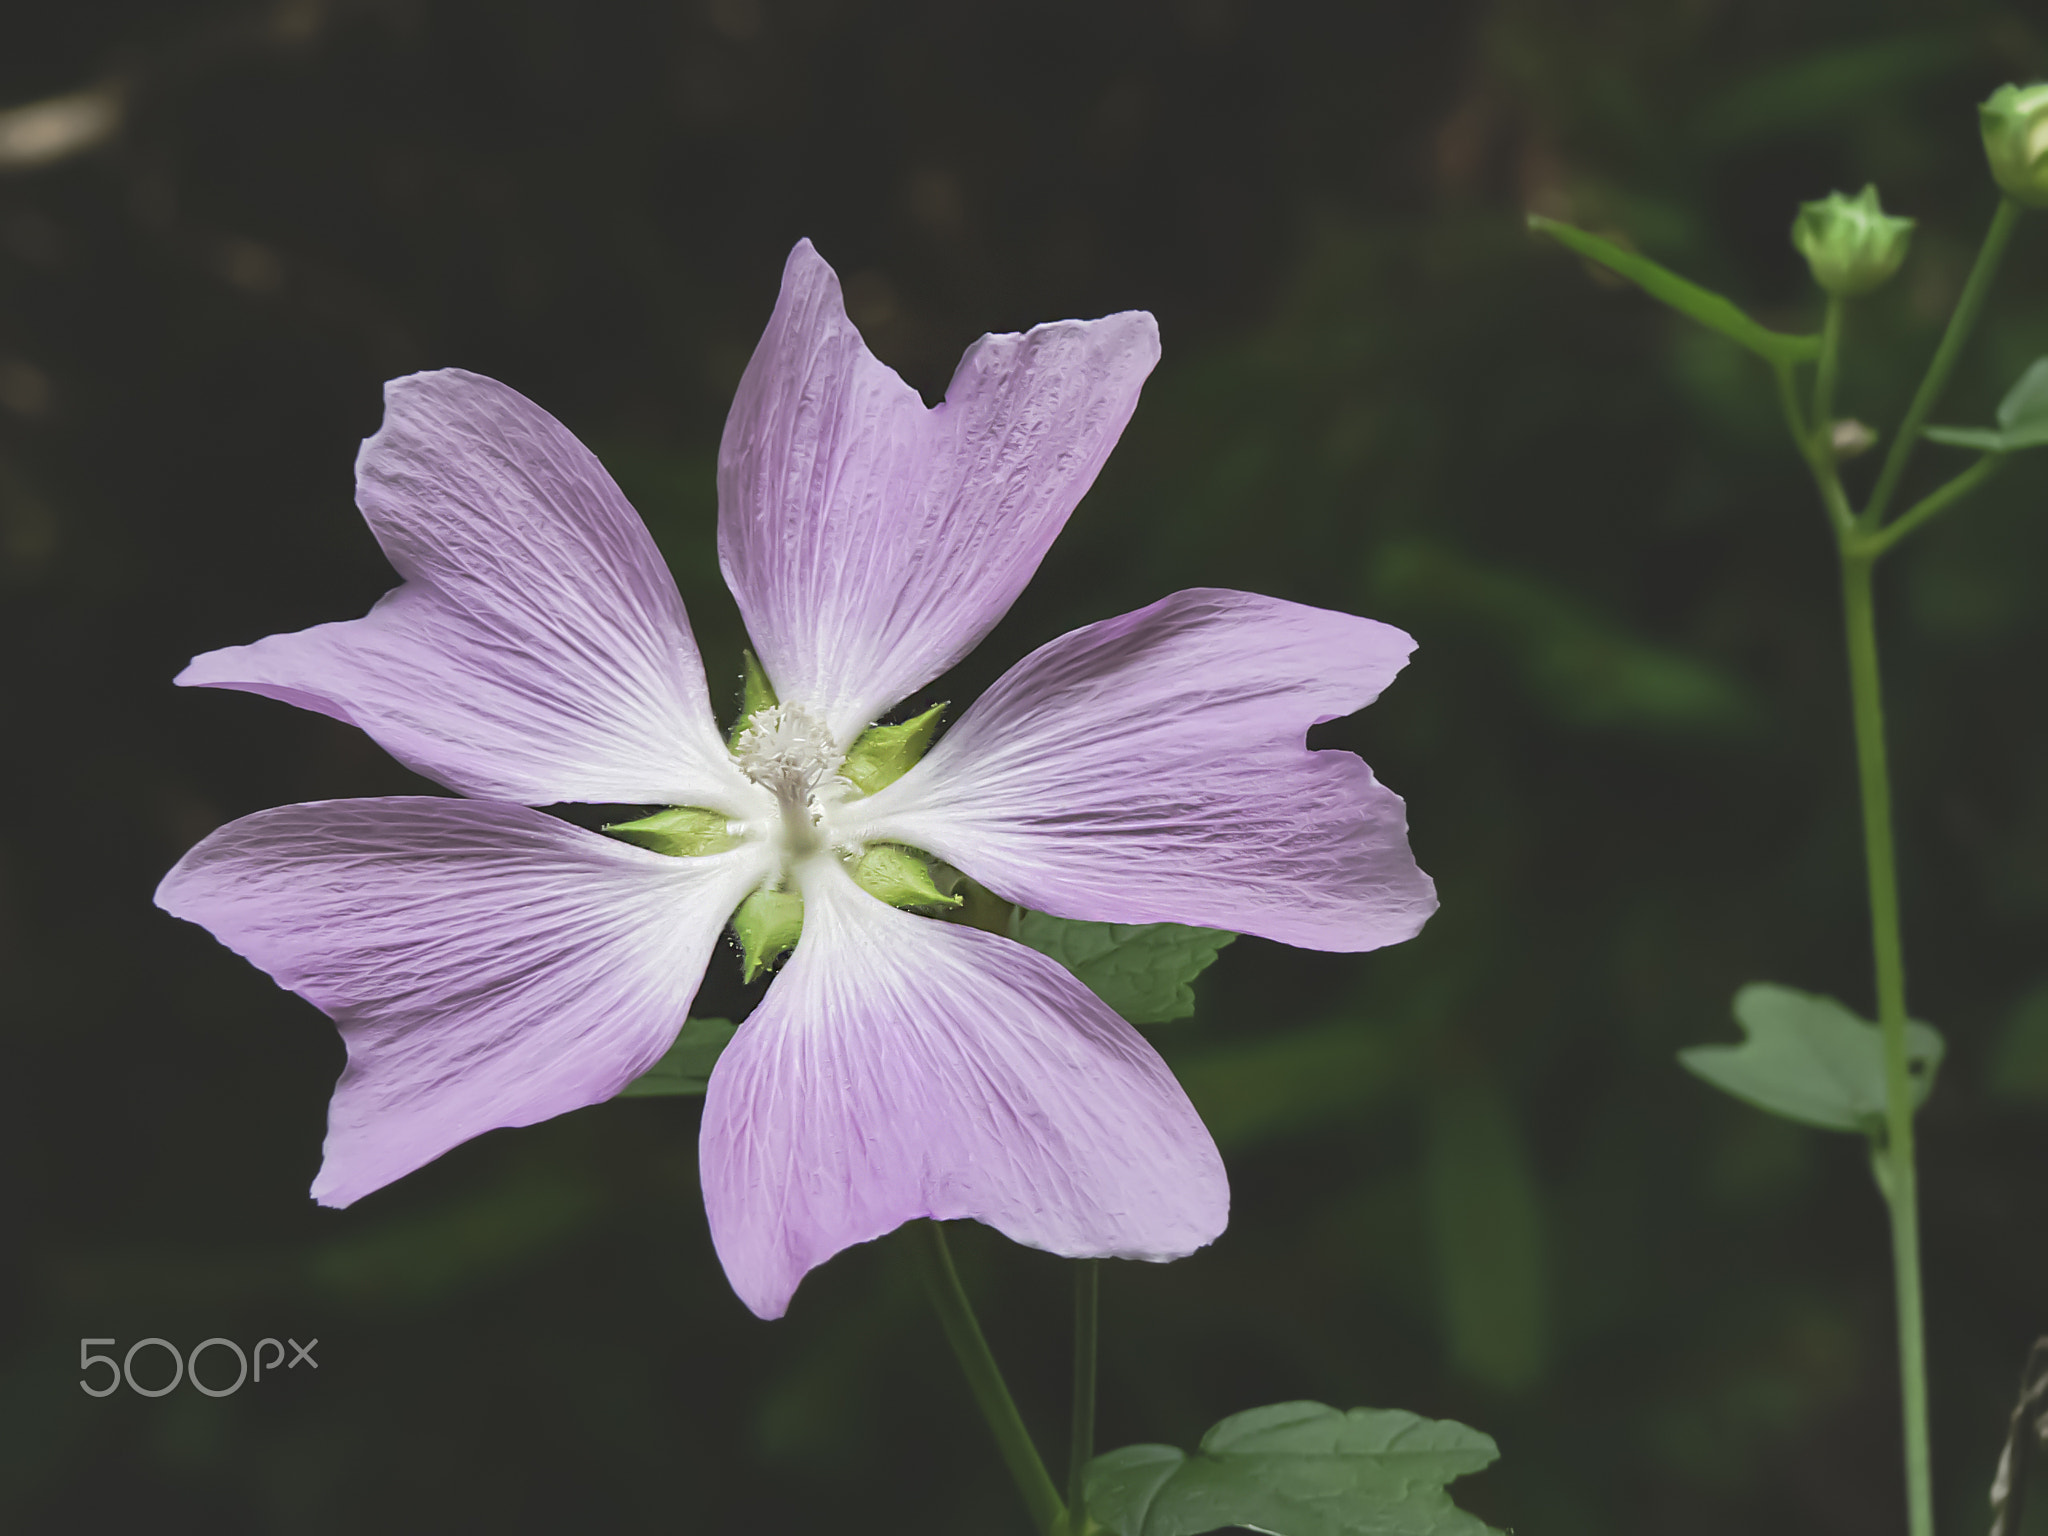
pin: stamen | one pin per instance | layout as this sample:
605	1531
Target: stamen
789	752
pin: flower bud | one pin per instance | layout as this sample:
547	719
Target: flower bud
2015	124
1851	244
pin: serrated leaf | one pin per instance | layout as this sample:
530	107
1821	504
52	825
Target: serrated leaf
1296	1469
1145	971
1809	1059
685	1067
1683	295
2022	418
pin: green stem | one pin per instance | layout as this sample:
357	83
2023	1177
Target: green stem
1824	374
1896	1153
1933	504
1081	1444
1815	447
1960	324
985	1379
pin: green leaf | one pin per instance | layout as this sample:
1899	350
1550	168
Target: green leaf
1296	1469
685	1067
1144	971
1810	1059
1687	297
2022	418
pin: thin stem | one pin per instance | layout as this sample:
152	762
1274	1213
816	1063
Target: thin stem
1960	324
985	1379
1081	1444
1825	373
1896	1152
1818	452
1933	504
1788	397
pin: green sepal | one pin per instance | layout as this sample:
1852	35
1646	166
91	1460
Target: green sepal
1851	245
1688	298
1299	1469
681	830
767	925
685	1067
882	754
979	907
2022	418
2014	120
899	877
1145	971
1808	1058
756	694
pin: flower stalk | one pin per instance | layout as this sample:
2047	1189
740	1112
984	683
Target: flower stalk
1894	1155
1861	540
1960	324
985	1378
1081	1442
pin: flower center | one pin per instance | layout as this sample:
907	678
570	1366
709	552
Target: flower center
789	752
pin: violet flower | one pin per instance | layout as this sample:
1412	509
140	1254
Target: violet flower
489	965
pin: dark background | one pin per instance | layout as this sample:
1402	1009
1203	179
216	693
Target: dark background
1469	1178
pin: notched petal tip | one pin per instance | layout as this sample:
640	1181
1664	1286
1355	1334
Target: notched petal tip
871	542
1152	768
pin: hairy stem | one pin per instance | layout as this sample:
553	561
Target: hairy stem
985	1379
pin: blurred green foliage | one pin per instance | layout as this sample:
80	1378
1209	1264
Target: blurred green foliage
1469	1179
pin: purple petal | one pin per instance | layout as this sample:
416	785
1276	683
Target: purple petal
538	650
488	965
870	542
1151	768
901	1067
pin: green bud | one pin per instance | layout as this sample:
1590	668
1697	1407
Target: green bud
767	925
1851	244
882	754
2015	124
899	877
756	694
680	830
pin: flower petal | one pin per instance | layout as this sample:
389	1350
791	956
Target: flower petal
1151	768
538	650
870	542
901	1067
487	965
